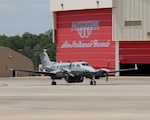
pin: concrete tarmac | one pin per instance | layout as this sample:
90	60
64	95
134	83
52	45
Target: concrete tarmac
33	98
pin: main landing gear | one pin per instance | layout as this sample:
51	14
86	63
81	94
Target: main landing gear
53	82
92	82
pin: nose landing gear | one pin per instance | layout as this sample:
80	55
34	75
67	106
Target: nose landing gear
92	82
53	82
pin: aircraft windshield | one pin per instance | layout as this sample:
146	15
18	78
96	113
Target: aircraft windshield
85	64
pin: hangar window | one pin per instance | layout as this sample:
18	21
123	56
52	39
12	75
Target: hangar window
133	23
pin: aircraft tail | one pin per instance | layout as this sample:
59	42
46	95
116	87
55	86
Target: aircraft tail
45	59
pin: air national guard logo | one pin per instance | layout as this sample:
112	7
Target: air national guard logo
85	28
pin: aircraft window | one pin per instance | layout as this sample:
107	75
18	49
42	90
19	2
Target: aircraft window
78	65
85	64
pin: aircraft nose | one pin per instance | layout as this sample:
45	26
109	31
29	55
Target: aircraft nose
90	69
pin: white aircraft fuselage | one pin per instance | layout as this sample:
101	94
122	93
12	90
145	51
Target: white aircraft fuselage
72	66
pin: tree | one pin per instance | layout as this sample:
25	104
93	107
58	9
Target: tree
28	42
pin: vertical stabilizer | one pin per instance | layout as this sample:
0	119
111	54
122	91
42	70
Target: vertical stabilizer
45	59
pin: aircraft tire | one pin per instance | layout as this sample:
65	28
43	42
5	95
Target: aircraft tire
91	82
53	83
94	82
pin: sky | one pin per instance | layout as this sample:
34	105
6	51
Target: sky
20	16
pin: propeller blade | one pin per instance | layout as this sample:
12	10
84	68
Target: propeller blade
67	78
108	64
106	77
72	75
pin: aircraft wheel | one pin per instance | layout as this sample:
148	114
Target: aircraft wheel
53	83
91	82
94	82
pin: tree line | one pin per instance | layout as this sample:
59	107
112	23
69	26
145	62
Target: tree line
28	42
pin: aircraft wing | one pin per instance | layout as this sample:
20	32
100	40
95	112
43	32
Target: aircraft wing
122	70
34	71
114	71
107	71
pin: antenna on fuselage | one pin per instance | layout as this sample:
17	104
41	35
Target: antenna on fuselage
70	65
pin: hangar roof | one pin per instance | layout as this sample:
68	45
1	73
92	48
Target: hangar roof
13	59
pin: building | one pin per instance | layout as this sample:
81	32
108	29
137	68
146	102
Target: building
103	32
13	59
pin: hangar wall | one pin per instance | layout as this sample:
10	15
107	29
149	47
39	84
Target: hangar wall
131	30
131	20
65	5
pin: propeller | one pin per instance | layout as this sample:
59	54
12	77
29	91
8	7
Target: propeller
68	72
105	72
108	65
106	77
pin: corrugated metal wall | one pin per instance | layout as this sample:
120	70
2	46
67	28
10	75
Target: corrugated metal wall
131	10
135	52
86	35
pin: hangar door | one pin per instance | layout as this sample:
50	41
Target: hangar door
86	35
135	53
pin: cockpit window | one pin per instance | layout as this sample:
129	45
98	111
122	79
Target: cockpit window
85	64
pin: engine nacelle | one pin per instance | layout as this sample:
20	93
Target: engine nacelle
58	75
98	75
75	79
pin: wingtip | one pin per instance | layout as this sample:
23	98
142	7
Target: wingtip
136	68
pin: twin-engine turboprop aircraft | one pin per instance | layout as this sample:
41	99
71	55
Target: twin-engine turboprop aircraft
72	72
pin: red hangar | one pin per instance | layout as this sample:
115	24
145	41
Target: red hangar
105	33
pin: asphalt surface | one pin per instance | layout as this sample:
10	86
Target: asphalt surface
33	98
